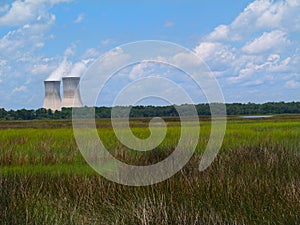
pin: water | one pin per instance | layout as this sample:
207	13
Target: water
256	117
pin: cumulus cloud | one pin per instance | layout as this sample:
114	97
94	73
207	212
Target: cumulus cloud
26	37
269	41
264	15
142	69
258	17
22	12
220	33
210	51
260	43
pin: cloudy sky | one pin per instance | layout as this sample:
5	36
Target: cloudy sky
251	47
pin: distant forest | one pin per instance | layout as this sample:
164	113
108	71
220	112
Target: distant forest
153	111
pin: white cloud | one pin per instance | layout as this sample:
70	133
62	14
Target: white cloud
4	8
206	50
260	70
246	72
269	41
78	69
267	15
79	18
19	89
70	51
253	83
20	48
218	56
41	69
25	38
40	44
169	24
62	70
292	84
187	62
3	62
273	57
142	69
22	12
215	50
220	33
260	15
113	58
107	41
258	45
91	53
280	14
281	66
247	19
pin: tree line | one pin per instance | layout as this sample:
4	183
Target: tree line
156	111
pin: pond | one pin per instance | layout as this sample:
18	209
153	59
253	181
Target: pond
257	116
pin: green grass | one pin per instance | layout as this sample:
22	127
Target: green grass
255	178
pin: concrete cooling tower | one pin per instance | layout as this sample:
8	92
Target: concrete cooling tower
52	95
71	95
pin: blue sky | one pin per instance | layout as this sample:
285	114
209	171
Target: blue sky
252	47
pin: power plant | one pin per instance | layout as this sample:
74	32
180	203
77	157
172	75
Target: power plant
71	95
52	95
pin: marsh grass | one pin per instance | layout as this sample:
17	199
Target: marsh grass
255	179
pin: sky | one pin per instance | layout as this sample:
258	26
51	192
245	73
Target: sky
251	47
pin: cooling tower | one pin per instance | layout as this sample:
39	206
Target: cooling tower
52	95
71	95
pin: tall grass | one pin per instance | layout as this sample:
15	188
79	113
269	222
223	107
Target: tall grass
254	180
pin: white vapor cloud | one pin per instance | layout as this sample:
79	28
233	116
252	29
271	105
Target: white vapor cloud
78	69
62	70
67	69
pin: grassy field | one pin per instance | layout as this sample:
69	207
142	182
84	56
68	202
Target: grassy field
255	178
